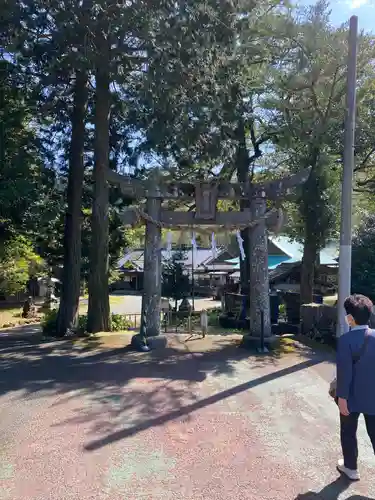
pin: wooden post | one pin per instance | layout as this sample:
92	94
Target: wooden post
259	292
152	271
204	322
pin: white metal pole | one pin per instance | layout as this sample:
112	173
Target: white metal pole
345	256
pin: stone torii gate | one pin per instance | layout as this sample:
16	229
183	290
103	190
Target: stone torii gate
205	194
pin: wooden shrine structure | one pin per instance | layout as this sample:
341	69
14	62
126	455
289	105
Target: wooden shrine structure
205	195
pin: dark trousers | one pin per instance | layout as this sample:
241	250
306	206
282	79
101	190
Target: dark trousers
348	433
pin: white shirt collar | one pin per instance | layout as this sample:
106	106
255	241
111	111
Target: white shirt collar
359	327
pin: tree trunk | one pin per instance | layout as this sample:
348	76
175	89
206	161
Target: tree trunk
309	260
69	304
98	310
311	211
243	176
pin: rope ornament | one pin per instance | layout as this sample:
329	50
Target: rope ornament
143	216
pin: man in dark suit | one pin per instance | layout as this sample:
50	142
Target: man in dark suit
355	381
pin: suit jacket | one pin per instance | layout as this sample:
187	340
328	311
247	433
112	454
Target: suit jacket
356	379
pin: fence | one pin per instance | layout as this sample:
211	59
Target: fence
184	322
176	321
134	320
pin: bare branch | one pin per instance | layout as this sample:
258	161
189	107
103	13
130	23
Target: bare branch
363	163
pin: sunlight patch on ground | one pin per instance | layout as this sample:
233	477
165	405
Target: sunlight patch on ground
330	300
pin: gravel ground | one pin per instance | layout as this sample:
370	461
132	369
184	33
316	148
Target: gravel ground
198	420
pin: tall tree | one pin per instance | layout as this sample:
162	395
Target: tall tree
308	105
363	258
121	34
364	170
23	182
200	107
175	278
98	310
69	303
51	42
22	170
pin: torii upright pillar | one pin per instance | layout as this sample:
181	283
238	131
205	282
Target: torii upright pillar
150	318
260	317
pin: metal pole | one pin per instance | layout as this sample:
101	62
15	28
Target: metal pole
345	256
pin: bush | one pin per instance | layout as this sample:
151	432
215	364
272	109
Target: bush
282	310
49	322
213	317
363	258
119	322
82	323
18	262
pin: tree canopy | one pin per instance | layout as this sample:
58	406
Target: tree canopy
175	279
363	258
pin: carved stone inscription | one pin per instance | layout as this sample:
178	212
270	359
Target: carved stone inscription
206	200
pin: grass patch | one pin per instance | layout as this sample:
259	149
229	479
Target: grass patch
13	317
330	300
8	316
116	299
316	346
287	345
104	340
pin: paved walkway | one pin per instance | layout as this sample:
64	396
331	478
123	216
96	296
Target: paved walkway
132	304
198	420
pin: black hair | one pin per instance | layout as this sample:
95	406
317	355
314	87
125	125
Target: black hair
360	307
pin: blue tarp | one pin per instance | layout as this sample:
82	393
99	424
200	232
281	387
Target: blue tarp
328	256
293	252
273	261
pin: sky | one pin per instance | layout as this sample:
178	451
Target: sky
342	10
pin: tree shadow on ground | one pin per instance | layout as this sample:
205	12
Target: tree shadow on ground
20	332
121	393
332	491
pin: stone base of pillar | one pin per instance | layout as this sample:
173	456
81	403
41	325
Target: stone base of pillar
139	343
253	342
158	342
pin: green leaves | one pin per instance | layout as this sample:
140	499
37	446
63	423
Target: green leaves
175	279
203	71
21	168
363	258
307	102
18	261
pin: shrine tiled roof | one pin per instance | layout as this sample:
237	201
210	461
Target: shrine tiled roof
292	252
203	257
